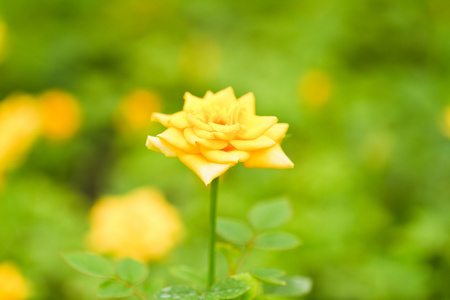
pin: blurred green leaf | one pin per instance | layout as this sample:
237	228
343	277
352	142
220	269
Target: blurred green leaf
131	271
176	292
270	214
278	240
114	289
234	231
295	286
187	273
251	282
89	264
202	297
229	288
269	275
151	287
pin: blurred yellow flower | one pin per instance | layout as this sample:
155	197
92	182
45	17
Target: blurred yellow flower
315	88
213	133
140	224
135	110
60	114
12	285
446	122
19	126
2	40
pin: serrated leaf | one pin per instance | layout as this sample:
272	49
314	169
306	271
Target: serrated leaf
175	292
114	289
229	288
234	231
295	286
270	214
151	287
278	240
89	264
269	275
131	271
187	273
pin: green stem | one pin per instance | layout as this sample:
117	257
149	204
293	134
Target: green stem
212	233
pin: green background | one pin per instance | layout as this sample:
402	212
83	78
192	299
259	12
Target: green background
371	183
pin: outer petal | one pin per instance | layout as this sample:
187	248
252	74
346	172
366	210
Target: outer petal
222	98
206	170
213	144
191	102
277	131
247	102
154	143
259	143
178	120
221	157
176	139
254	126
161	118
273	157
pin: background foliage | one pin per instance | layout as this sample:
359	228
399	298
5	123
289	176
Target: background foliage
363	84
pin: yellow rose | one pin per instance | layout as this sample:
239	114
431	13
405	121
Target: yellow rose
212	134
141	225
12	285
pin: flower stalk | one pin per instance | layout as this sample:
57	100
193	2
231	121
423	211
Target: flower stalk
212	233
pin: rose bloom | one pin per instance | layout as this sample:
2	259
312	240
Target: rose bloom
140	224
12	285
213	133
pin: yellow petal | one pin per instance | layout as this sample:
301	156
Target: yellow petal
254	126
191	102
208	94
223	98
197	123
205	169
260	142
176	139
224	128
242	155
224	136
247	102
161	118
273	157
213	144
178	120
220	157
191	137
204	134
277	131
154	143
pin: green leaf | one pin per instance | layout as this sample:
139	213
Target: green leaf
175	292
278	240
89	264
270	214
187	273
114	289
295	286
229	288
234	231
269	275
131	271
251	282
202	297
150	287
